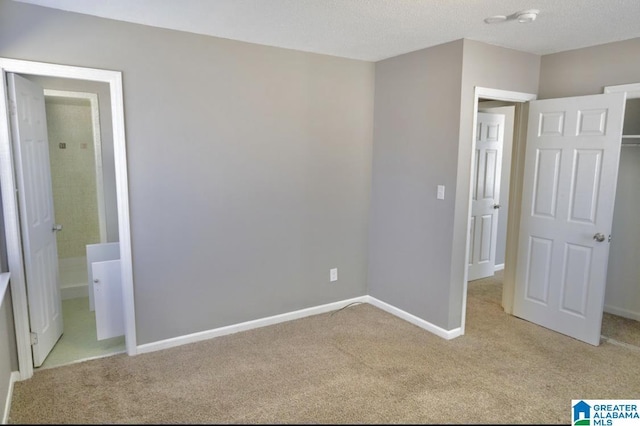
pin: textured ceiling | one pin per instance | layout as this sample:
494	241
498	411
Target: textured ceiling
377	29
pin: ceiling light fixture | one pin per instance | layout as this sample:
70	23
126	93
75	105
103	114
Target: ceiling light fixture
524	17
495	19
527	16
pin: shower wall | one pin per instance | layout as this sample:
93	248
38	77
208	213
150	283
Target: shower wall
73	179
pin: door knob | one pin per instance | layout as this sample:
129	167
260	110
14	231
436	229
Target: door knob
599	237
496	206
57	228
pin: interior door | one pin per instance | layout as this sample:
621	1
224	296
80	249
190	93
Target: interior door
33	176
485	199
571	167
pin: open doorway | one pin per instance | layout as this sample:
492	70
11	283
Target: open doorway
507	277
490	189
510	211
621	317
11	209
84	198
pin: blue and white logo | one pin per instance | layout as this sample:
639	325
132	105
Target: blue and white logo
581	414
605	412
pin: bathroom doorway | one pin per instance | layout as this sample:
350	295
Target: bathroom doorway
26	338
84	197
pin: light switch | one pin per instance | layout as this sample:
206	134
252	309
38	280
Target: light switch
440	192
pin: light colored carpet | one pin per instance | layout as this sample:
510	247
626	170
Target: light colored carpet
357	365
621	329
79	340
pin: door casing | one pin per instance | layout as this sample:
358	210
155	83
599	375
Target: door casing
517	166
10	202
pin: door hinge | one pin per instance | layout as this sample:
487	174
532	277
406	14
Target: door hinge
609	240
34	338
13	110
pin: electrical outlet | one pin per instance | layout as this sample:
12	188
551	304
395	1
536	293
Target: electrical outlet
333	274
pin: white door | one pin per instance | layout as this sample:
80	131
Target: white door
108	299
99	253
33	176
485	199
571	167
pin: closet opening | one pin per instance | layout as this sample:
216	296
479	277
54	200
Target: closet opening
621	317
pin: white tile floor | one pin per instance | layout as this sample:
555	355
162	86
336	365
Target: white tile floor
79	340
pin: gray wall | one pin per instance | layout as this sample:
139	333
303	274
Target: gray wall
9	337
622	295
422	138
632	117
587	71
492	67
106	137
249	166
417	115
8	352
8	355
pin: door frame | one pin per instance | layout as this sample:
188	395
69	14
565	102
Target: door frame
97	150
632	90
10	202
517	167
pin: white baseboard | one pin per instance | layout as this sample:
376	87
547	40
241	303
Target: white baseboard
499	267
438	331
276	319
91	358
244	326
626	313
74	292
15	376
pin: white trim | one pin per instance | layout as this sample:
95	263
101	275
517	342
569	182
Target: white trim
618	343
97	150
10	205
502	95
289	316
91	358
632	90
497	95
244	326
499	267
12	236
15	376
625	313
426	325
